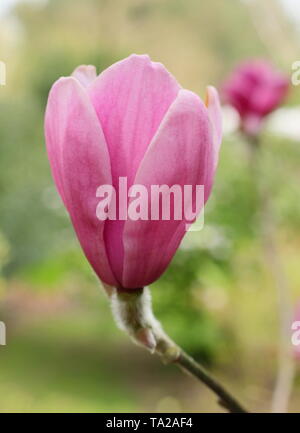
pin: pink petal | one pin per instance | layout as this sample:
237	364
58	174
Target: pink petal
180	153
85	74
80	164
215	115
131	98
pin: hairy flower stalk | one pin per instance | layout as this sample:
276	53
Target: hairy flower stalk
133	314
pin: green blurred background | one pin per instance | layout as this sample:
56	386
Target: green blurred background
217	299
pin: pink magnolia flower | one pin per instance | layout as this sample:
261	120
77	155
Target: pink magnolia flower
134	121
255	89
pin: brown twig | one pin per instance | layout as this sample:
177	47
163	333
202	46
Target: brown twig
225	399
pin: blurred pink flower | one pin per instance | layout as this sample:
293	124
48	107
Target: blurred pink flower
133	121
255	88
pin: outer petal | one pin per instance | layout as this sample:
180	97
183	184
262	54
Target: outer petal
80	164
85	74
215	115
180	153
131	98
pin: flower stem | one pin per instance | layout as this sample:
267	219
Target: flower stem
133	314
285	372
225	399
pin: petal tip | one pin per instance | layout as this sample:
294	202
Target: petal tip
211	95
85	74
213	105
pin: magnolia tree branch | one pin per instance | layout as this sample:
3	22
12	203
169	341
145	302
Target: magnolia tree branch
132	311
286	367
225	399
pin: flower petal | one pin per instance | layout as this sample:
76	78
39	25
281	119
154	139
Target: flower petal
181	153
85	74
215	115
131	98
80	164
